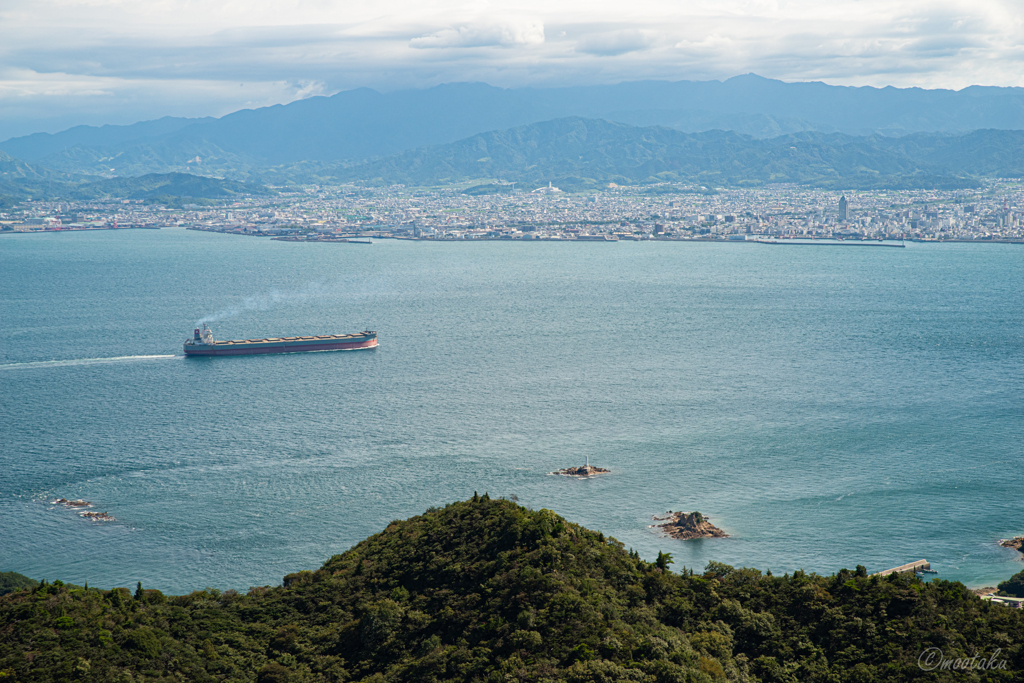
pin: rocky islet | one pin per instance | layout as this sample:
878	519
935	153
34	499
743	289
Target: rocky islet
688	525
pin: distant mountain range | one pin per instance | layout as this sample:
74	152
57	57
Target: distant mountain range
40	145
747	130
356	125
581	153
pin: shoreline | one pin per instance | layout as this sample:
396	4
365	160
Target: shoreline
358	239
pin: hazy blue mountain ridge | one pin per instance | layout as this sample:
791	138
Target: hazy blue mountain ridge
578	154
996	153
164	185
39	145
162	155
701	120
586	152
20	181
12	169
360	124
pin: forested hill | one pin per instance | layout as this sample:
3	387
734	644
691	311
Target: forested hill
12	169
575	154
486	590
164	184
28	181
586	152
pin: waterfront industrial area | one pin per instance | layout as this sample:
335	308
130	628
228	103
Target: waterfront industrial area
667	212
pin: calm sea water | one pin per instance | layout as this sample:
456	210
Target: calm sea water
826	406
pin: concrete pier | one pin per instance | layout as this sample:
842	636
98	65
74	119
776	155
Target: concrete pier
905	568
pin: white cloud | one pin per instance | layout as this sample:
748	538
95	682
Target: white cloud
616	42
506	34
306	89
710	45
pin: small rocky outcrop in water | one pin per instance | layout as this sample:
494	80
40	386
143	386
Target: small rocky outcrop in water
687	525
72	503
97	516
79	505
582	471
1017	543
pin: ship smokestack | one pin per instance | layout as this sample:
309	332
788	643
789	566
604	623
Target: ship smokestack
196	337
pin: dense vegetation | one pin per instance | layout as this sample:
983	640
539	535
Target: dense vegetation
13	581
1013	586
486	590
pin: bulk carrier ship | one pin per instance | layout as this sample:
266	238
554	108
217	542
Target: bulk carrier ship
203	344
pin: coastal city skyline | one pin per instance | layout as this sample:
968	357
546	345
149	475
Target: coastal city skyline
991	213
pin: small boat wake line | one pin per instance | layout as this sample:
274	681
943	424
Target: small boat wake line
82	361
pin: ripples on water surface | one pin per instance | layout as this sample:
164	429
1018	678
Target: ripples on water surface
827	407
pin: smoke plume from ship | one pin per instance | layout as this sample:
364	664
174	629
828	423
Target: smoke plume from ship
267	301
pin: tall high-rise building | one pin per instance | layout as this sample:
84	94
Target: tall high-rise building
844	209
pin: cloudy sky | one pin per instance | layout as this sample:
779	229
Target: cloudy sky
66	62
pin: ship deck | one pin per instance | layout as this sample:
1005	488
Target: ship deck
278	340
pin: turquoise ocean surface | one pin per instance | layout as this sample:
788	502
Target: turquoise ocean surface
826	406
